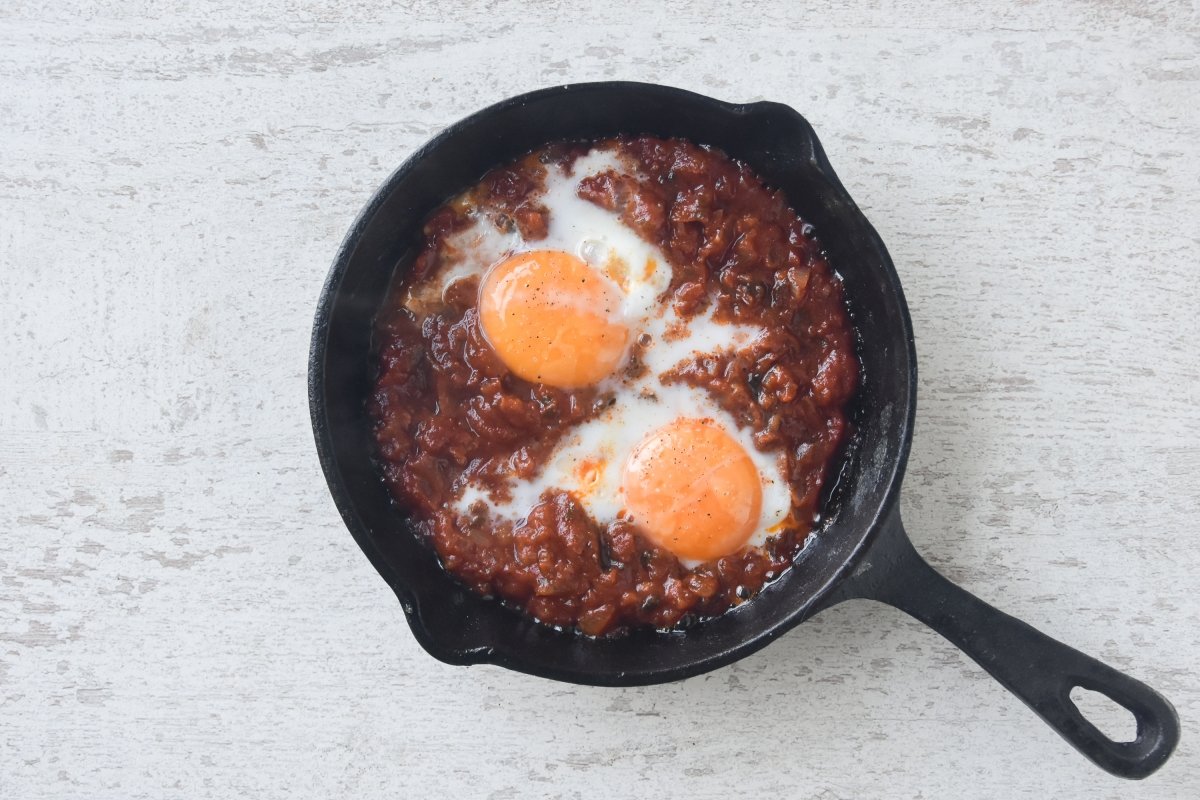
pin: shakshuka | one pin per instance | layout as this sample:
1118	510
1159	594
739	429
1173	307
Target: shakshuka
613	383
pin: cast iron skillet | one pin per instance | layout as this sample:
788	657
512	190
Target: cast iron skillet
862	552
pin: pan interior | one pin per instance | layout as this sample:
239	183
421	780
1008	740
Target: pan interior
450	621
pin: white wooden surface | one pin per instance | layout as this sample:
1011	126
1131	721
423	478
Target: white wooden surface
182	613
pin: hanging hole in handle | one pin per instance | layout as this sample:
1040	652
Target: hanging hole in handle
1110	717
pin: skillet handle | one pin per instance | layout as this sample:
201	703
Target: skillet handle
1039	670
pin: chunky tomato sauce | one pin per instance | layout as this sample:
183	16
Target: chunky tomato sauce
447	410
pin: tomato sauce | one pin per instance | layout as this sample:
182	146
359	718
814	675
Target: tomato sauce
446	408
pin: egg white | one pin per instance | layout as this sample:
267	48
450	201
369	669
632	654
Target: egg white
577	226
643	404
605	443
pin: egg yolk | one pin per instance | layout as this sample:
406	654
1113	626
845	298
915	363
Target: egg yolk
552	319
693	490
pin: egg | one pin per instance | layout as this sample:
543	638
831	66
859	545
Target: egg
553	319
663	458
566	311
693	489
606	260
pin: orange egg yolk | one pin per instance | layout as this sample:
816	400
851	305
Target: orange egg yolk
693	490
552	319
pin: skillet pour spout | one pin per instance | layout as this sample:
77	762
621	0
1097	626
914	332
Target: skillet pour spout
862	550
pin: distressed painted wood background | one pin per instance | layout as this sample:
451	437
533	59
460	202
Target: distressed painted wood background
182	613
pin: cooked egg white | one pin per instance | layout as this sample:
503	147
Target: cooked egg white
588	463
577	226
